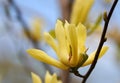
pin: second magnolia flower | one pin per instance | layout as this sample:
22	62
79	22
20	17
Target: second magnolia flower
69	47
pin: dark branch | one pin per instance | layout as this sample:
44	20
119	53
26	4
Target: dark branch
103	39
78	74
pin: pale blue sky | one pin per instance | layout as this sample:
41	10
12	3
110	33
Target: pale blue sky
50	11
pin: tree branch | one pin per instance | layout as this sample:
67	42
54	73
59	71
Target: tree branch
66	8
103	39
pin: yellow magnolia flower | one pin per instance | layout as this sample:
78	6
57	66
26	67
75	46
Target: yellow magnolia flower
80	11
36	30
48	78
69	47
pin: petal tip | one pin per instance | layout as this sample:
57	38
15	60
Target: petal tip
29	51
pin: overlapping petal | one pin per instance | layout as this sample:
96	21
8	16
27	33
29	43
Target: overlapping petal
42	56
82	34
36	78
92	55
74	45
69	46
51	78
48	78
62	42
80	11
51	41
36	32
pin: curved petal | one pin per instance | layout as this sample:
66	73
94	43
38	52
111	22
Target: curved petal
50	40
51	78
36	32
62	42
54	78
66	26
48	77
80	11
82	34
35	78
86	6
42	56
74	45
92	55
76	12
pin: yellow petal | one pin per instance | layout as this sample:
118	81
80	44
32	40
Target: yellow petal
85	10
49	39
59	81
76	12
52	33
80	11
62	42
42	56
74	45
36	30
48	77
81	33
51	78
66	26
92	55
35	78
54	78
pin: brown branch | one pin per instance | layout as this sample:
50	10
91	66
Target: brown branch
66	8
103	39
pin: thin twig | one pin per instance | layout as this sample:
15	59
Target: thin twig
75	72
103	39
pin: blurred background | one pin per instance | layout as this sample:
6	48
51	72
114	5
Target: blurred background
22	23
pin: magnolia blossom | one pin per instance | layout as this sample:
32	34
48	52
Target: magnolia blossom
69	46
80	10
48	78
36	31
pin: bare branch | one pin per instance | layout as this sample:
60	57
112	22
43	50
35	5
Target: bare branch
103	39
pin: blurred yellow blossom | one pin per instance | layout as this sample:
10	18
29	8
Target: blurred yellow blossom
79	14
69	47
36	30
48	78
80	11
95	26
